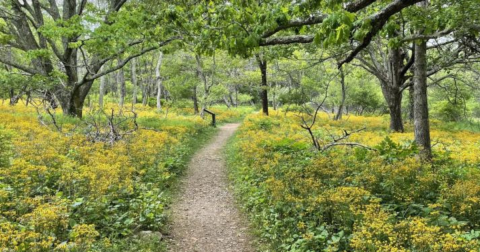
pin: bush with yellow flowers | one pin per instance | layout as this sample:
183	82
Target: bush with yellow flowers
355	199
62	190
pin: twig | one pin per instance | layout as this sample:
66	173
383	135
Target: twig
328	146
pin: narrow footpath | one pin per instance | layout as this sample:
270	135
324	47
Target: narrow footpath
205	217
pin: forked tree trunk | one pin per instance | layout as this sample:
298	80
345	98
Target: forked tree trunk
72	104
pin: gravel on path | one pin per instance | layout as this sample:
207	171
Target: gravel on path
205	216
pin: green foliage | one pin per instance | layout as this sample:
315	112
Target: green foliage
296	96
449	112
66	190
464	125
352	199
299	109
6	148
476	111
365	99
151	243
393	152
335	30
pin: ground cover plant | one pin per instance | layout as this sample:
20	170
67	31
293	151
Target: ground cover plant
69	191
355	199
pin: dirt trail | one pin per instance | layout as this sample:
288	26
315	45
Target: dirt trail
205	218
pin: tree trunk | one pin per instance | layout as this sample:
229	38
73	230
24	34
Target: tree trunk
393	97
390	67
274	96
231	100
339	114
236	97
262	63
145	96
49	97
134	82
102	91
13	98
225	99
144	83
29	98
195	100
72	104
411	108
421	120
396	121
206	87
158	81
122	87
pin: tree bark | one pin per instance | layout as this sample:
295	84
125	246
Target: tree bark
390	71
101	91
195	100
29	98
206	87
122	87
13	98
72	104
158	80
393	97
421	119
225	99
231	100
236	96
262	63
411	108
145	84
339	114
134	82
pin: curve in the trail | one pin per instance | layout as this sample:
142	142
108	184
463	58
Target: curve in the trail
205	217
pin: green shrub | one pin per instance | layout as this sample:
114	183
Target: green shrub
6	148
450	112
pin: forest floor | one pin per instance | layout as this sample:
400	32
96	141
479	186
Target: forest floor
205	217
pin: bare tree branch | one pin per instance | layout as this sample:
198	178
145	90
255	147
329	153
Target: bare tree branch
286	40
126	60
377	21
427	36
19	66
